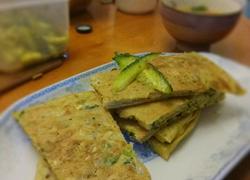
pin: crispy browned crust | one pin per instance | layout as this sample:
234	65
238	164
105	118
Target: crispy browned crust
79	139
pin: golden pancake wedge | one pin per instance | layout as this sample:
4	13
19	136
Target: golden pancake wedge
187	73
79	139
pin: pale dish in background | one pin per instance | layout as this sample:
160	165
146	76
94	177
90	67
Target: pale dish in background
197	24
136	6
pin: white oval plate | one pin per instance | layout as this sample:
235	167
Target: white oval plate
219	142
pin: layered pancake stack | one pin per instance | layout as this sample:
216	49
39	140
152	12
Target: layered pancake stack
154	99
164	119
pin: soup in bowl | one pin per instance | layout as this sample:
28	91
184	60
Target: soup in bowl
196	24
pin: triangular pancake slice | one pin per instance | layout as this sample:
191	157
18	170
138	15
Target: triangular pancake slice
188	74
79	139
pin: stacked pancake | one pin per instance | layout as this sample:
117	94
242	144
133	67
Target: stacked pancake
163	120
171	121
78	138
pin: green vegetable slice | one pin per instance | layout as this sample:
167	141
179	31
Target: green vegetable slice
128	75
132	70
123	60
149	57
200	8
155	79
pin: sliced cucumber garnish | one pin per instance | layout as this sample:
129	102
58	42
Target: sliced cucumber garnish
154	79
149	57
128	75
132	69
123	60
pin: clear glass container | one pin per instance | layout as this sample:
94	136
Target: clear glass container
32	31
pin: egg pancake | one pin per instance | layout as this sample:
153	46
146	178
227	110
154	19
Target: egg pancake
166	149
79	139
145	120
187	73
43	172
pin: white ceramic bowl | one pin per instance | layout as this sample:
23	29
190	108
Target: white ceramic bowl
136	6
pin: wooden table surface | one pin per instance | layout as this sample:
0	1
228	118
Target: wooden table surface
115	31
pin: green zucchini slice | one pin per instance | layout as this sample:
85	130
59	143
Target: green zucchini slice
128	75
132	70
124	59
155	79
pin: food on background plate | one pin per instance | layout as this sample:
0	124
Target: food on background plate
187	73
150	119
28	39
79	139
